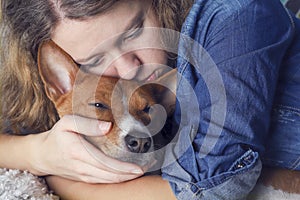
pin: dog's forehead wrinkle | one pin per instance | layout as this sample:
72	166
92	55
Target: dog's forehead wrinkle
121	96
125	103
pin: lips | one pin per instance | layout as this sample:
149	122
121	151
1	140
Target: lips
151	77
156	74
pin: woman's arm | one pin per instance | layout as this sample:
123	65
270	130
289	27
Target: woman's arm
144	188
15	152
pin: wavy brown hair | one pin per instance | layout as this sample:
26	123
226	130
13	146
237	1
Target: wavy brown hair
24	25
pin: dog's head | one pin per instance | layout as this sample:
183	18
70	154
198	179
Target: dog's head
134	109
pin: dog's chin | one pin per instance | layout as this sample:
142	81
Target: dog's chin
144	160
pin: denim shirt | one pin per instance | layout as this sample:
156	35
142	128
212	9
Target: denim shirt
235	59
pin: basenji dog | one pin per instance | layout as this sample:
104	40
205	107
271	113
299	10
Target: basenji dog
137	111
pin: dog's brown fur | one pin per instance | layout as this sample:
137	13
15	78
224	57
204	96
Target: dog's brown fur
105	98
281	179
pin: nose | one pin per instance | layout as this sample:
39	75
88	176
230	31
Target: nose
127	65
138	144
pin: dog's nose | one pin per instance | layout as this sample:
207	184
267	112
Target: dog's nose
138	145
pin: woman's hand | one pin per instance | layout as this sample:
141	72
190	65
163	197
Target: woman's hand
62	151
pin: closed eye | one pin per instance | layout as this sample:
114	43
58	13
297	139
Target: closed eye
99	106
137	32
94	62
134	33
147	109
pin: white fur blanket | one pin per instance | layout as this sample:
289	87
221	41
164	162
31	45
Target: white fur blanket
262	192
18	185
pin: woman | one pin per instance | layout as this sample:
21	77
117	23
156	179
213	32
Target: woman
222	134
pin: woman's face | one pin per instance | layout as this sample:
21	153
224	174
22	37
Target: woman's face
118	43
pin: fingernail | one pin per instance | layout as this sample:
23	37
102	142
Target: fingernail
137	171
104	127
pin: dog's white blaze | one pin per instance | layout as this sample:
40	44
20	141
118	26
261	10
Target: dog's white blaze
129	124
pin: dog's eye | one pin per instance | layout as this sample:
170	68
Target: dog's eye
147	109
99	105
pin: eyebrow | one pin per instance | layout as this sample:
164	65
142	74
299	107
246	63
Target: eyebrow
135	22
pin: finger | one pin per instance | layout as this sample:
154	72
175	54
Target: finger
111	179
85	126
97	158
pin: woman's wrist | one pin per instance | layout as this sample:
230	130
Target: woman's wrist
18	152
35	159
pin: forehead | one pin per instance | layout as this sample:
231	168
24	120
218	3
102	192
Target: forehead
79	37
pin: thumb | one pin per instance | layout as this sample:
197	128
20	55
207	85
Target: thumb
104	127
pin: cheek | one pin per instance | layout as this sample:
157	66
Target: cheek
155	56
109	71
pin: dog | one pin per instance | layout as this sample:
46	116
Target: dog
132	107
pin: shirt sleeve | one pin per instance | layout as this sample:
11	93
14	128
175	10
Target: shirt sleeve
229	60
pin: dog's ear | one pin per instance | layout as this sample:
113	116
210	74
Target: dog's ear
167	90
57	69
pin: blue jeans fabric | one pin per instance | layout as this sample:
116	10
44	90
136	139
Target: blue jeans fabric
283	145
239	65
